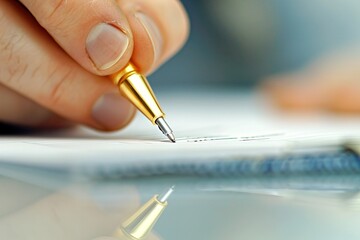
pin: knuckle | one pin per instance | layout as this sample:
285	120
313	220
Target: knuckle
16	67
56	87
53	16
55	7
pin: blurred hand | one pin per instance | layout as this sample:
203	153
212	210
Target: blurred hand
54	55
330	84
71	214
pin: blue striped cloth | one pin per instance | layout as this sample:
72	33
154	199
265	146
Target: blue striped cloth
338	162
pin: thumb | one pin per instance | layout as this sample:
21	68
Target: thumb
94	33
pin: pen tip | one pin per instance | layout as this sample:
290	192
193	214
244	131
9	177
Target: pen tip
166	195
171	137
165	129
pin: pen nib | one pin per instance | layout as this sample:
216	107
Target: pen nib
165	129
164	197
171	137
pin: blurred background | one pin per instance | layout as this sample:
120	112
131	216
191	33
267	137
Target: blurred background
240	42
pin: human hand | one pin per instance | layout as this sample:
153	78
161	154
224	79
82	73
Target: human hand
55	54
74	213
330	84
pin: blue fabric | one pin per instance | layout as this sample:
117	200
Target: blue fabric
312	163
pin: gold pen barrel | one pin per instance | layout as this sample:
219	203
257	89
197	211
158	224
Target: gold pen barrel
139	225
137	90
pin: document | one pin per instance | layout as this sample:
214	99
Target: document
210	127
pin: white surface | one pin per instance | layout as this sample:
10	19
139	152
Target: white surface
208	126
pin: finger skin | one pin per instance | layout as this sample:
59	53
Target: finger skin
172	21
330	84
40	71
37	68
18	110
290	93
70	22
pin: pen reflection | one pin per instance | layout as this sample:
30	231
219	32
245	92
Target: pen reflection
77	212
210	208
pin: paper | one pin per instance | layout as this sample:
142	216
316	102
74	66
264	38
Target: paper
208	126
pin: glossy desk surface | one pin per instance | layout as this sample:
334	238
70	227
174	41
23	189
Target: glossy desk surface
46	205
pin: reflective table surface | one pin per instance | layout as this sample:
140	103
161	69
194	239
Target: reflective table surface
37	204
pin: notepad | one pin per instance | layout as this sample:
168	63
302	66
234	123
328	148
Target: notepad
214	130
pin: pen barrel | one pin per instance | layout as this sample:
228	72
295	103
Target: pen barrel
139	225
137	90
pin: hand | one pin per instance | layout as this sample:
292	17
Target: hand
75	213
54	55
330	84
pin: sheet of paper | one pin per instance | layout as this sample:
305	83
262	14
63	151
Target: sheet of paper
208	126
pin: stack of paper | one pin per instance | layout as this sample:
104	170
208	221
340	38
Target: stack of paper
217	133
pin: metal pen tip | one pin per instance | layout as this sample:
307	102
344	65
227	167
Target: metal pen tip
171	137
165	129
166	195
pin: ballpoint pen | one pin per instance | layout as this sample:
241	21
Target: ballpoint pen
140	224
135	87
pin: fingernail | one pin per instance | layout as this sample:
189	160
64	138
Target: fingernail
105	45
153	33
112	111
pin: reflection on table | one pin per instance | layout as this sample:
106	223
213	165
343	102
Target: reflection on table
47	206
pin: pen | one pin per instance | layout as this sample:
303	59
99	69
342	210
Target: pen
140	224
135	87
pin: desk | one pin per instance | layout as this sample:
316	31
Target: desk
46	205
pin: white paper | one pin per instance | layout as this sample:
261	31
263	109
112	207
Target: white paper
208	126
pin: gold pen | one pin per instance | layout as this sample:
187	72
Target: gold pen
140	224
136	89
